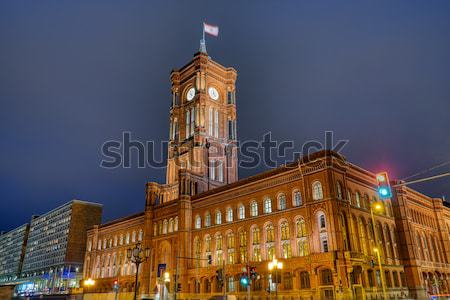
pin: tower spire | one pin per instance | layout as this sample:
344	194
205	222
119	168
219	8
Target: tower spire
203	45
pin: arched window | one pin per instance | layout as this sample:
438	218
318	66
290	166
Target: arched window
322	222
198	222
366	201
301	228
165	226
317	190
140	235
285	233
357	199
127	238
270	235
197	251
175	224
339	190
302	247
254	208
243	246
207	219
304	280
208	244
230	240
267	205
170	225
218	217
133	235
241	212
286	249
229	214
297	198
281	201
255	236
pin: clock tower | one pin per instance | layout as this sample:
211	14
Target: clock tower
203	123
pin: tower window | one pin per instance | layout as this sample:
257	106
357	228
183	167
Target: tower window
317	190
210	122
188	123
216	123
219	171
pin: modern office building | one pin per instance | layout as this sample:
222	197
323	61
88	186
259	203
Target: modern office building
53	260
12	251
320	216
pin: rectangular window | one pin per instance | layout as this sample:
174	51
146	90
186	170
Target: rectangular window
216	123
192	120
210	122
220	171
188	121
212	170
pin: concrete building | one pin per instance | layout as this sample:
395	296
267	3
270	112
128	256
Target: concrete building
12	251
53	260
314	215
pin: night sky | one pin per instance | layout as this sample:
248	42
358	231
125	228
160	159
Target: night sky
74	74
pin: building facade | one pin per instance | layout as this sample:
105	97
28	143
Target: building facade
320	216
12	251
54	255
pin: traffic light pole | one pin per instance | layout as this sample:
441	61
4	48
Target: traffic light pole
249	281
421	180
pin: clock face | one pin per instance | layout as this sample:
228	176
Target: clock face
213	93
190	94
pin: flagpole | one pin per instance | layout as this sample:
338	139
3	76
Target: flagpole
203	25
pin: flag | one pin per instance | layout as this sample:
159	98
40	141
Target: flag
211	29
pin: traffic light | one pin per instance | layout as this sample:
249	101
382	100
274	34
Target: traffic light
219	274
384	187
115	285
209	259
253	273
244	280
178	287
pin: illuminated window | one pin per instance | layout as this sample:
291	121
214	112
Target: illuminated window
229	214
241	212
207	219
281	201
297	197
254	208
218	217
198	222
267	205
317	190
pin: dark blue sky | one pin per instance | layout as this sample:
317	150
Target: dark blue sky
74	74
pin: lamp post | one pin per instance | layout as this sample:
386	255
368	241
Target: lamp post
88	283
137	255
378	207
275	265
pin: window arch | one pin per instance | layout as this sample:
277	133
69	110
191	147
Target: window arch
254	208
267	205
198	222
296	198
171	225
165	225
281	201
317	190
241	212
339	190
229	214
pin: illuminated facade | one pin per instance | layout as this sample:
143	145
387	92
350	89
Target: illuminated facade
314	215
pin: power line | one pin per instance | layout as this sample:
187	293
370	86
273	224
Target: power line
428	170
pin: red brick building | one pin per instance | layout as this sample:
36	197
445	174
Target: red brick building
313	215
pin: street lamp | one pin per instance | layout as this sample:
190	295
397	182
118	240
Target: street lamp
88	283
137	255
378	207
277	265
